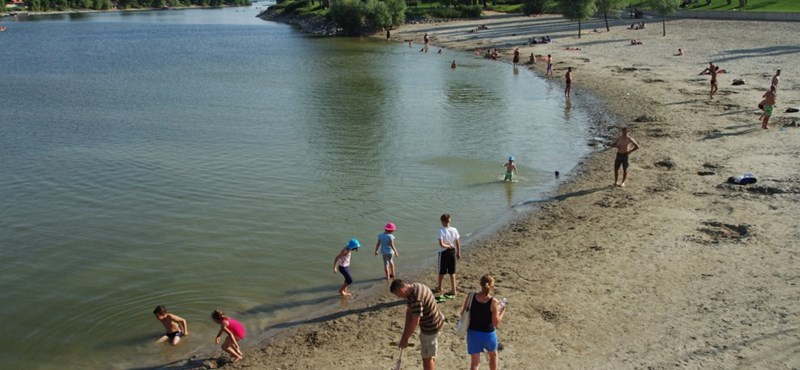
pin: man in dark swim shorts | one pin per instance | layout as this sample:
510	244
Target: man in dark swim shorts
625	145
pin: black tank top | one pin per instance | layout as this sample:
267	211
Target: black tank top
480	315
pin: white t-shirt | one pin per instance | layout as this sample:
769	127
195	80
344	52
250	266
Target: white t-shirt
448	235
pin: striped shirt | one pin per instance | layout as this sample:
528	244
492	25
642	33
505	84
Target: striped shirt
422	303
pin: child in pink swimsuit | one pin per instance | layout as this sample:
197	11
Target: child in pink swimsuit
235	331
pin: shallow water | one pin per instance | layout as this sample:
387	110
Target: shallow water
206	159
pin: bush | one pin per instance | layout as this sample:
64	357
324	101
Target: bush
291	7
377	14
536	6
397	9
460	11
349	15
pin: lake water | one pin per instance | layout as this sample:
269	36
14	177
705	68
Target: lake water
207	159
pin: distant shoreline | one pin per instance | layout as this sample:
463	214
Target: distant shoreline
25	13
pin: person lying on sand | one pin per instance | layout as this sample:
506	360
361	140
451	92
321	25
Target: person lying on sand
636	42
573	49
679	53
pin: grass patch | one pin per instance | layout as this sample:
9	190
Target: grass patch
301	7
778	6
506	8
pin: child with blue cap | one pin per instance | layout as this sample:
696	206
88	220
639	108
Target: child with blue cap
511	169
341	264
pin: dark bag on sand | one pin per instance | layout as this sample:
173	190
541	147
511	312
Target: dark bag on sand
792	110
739	180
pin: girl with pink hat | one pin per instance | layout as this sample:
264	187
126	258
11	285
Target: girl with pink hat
387	248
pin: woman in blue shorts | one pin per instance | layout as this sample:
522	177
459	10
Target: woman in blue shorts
485	313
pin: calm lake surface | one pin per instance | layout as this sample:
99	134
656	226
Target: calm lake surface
207	159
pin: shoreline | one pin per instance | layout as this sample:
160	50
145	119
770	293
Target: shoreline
676	269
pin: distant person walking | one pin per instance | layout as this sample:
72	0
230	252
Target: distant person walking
625	146
426	40
485	314
713	72
421	311
549	65
516	57
388	35
568	78
511	169
769	104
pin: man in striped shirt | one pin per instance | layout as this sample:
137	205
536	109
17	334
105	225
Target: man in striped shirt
421	311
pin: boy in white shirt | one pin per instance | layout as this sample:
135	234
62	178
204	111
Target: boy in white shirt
449	252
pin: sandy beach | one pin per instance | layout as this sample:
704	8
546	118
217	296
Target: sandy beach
676	270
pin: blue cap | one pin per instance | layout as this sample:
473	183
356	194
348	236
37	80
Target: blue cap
353	244
511	158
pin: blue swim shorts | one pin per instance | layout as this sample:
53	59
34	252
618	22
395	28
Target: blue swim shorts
477	341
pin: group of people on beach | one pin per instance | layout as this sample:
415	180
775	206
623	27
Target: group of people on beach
766	105
544	40
422	309
177	327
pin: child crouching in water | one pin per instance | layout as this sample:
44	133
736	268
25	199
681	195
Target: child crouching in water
235	331
174	325
342	264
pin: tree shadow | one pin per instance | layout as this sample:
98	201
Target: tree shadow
772	51
558	198
717	135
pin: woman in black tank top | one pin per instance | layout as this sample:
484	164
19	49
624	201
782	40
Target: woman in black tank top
485	313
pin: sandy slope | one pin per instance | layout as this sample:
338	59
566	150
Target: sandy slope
674	270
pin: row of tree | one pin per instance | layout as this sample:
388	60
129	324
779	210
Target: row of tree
355	16
579	10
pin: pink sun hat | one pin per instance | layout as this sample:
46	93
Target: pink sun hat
390	227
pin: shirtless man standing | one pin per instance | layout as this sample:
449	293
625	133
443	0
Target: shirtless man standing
776	78
713	73
625	145
768	103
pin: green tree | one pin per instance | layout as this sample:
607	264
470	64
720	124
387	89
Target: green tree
534	6
377	14
665	8
397	8
349	15
577	10
609	6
